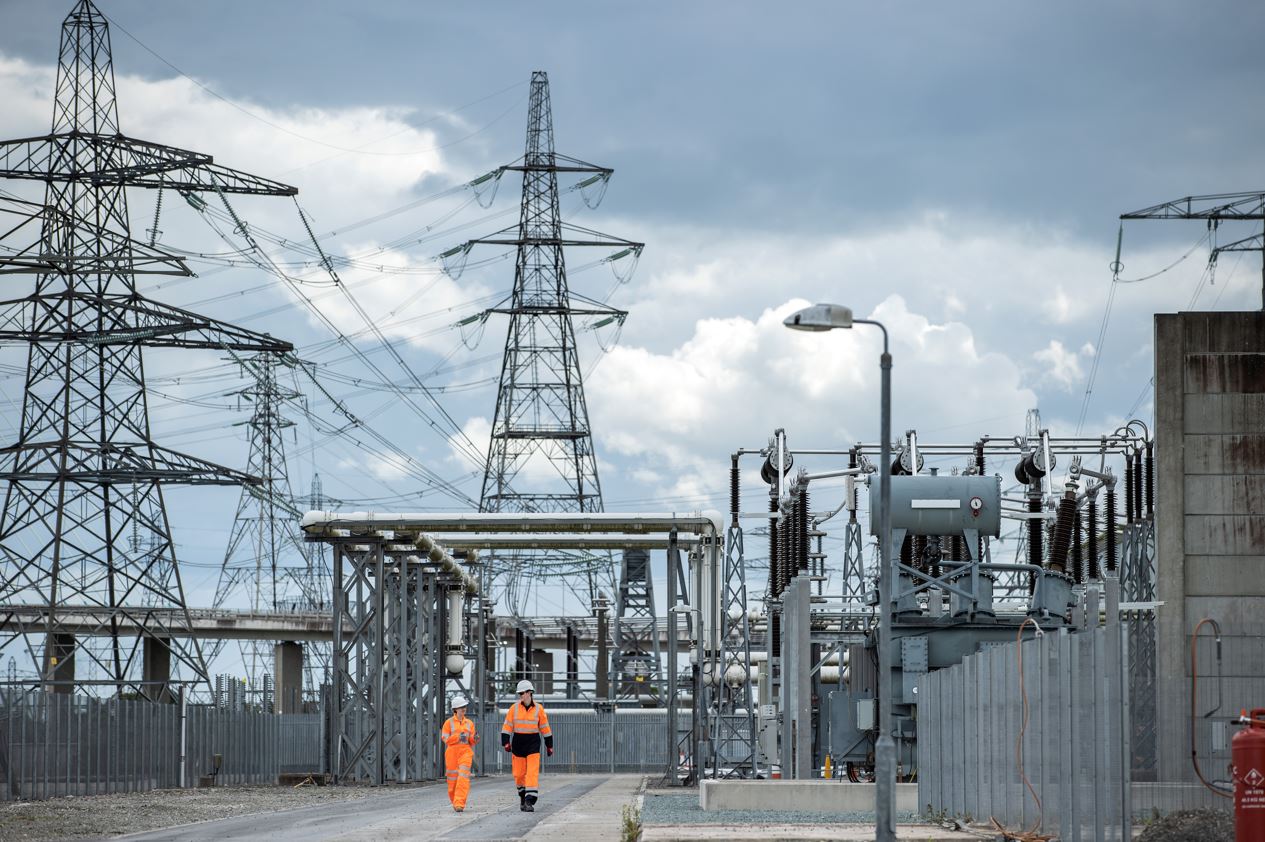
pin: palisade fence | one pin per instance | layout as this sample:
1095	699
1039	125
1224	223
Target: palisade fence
1034	734
1078	747
618	740
54	744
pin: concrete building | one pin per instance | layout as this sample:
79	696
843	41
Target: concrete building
1210	495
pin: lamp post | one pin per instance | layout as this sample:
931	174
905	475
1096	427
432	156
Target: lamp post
820	317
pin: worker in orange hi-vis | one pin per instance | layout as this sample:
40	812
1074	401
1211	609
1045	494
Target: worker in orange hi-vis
525	723
459	741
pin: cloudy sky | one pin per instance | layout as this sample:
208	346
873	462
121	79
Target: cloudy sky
954	169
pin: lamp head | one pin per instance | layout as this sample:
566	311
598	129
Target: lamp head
820	317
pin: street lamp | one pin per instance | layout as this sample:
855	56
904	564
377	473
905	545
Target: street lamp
821	317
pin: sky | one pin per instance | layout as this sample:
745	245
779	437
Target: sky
955	170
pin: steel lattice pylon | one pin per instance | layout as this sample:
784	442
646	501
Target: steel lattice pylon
84	523
541	416
267	564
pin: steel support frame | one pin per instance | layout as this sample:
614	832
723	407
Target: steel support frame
1137	585
735	750
388	671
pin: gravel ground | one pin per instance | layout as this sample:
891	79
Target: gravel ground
673	809
97	816
1191	826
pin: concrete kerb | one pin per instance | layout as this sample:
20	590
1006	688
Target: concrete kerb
815	796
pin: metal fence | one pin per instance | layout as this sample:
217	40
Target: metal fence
1033	734
592	741
244	743
301	742
54	744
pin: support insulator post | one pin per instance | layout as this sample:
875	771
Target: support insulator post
1061	541
774	586
853	463
1150	480
1110	528
801	523
1091	521
1128	489
1137	484
734	489
1036	537
1078	557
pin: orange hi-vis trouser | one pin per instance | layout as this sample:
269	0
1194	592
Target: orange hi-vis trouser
527	772
458	738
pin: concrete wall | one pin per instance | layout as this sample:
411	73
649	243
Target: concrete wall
1210	493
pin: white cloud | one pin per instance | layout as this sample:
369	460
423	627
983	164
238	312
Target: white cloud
1062	365
676	415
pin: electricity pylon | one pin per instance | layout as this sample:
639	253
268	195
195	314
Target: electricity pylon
85	544
542	419
267	567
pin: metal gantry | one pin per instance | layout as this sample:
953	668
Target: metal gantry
84	522
389	674
1216	208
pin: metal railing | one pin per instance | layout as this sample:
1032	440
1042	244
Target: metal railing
1032	734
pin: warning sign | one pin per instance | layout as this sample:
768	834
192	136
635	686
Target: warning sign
1254	778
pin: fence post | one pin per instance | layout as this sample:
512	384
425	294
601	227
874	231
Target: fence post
183	735
612	760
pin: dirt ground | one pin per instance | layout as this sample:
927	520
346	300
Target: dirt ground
96	816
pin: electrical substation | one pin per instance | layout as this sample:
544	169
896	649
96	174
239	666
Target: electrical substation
1000	624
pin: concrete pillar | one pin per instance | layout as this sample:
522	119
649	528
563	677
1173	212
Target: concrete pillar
542	671
156	669
287	674
59	663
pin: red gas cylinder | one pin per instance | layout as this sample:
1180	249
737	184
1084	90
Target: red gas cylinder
1247	756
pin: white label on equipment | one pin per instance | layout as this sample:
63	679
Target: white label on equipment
935	504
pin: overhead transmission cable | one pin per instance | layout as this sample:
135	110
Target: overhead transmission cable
1116	267
266	264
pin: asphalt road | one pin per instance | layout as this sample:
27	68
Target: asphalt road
422	813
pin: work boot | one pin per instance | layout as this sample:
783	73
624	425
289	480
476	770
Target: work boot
528	808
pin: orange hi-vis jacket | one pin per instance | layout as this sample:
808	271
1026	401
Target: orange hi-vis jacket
457	733
523	728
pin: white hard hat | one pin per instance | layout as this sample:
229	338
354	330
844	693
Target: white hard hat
525	685
459	702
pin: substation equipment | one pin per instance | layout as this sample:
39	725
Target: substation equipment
403	583
814	653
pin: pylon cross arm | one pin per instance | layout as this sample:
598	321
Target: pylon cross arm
21	229
129	319
124	161
112	464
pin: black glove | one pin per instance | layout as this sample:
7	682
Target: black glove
549	751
